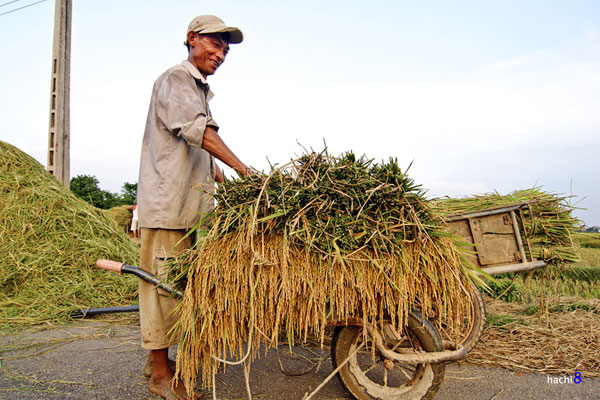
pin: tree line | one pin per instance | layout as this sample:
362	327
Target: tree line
86	187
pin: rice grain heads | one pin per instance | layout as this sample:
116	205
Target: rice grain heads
49	243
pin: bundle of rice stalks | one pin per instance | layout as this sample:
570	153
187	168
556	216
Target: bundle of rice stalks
50	241
547	225
321	238
121	215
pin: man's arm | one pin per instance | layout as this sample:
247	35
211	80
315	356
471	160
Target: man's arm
213	143
218	174
185	114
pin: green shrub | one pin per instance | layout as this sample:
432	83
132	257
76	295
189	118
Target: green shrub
502	287
498	320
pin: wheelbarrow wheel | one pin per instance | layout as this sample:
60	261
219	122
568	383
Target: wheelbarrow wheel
477	325
369	375
470	332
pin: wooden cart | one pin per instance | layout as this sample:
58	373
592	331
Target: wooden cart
496	237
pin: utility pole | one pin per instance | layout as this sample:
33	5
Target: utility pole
59	131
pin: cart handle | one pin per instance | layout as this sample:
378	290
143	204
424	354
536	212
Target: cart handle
110	265
123	268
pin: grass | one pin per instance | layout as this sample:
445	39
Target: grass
590	257
588	240
498	319
576	282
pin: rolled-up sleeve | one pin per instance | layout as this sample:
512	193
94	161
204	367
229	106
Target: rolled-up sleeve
183	112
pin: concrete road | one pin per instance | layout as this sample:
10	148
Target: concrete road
103	360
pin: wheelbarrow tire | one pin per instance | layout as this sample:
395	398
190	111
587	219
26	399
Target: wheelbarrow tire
424	381
478	321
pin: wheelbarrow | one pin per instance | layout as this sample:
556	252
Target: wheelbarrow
405	364
410	363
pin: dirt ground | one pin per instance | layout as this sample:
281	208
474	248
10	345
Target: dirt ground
99	359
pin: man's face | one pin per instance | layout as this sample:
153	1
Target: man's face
207	52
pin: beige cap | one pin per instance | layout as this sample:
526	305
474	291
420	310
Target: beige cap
204	24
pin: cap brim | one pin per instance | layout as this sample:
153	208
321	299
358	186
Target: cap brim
235	34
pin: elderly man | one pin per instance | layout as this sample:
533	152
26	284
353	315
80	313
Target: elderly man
177	171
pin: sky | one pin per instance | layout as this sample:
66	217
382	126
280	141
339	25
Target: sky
479	96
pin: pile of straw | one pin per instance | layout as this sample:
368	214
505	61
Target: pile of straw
547	225
567	342
121	215
321	238
50	241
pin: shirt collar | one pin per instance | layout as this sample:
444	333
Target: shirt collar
194	72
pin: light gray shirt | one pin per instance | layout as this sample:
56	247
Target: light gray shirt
176	178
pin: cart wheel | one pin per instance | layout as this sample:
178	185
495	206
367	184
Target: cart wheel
472	328
365	377
475	330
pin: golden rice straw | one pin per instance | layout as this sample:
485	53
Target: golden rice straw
300	291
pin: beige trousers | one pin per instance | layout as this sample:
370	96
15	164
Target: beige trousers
156	306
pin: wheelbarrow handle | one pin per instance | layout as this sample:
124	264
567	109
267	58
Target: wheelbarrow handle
110	265
123	268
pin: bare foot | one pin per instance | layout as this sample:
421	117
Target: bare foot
149	367
162	388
